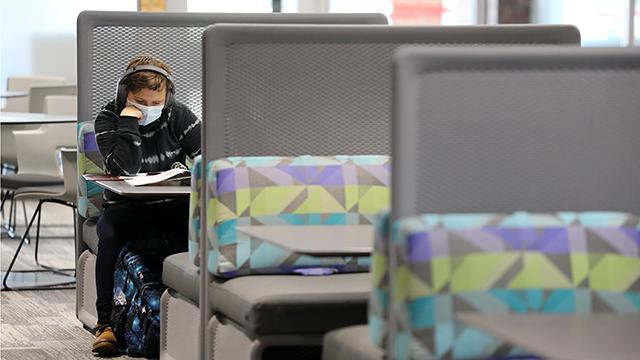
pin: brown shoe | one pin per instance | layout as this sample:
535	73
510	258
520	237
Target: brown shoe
106	342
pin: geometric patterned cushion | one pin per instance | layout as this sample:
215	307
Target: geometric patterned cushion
194	210
89	162
296	191
558	263
379	297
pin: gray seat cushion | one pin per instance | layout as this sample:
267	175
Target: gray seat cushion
89	235
351	343
181	275
292	304
39	192
16	181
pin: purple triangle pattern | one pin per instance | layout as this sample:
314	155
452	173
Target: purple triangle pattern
276	175
226	181
378	172
299	173
329	175
619	240
552	241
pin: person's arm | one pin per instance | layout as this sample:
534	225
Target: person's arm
119	140
189	133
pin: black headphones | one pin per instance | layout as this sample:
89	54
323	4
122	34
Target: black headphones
122	90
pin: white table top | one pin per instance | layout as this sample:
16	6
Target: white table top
34	118
317	240
122	188
13	94
579	337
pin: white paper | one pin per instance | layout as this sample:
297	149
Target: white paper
145	179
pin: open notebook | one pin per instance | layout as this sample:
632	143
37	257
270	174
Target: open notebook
171	175
168	177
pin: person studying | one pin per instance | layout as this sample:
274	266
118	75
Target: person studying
142	130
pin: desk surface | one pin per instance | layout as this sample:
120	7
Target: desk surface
580	337
13	94
317	240
34	118
122	188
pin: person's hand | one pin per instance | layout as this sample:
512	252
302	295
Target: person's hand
132	111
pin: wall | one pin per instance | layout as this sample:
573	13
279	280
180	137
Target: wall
38	37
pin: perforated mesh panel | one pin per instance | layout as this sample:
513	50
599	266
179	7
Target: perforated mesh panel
334	103
527	140
322	97
179	47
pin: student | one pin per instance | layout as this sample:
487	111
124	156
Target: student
142	130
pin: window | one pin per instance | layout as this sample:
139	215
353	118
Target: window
601	22
289	6
235	6
636	29
413	12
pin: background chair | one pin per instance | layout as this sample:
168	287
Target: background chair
10	167
55	106
9	157
38	93
36	157
61	104
64	195
24	83
36	105
37	166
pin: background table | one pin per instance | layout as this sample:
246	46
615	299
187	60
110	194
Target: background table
316	240
579	337
13	94
15	118
122	188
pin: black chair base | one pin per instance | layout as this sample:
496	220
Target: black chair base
34	285
10	226
38	280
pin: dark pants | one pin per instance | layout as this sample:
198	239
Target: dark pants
122	223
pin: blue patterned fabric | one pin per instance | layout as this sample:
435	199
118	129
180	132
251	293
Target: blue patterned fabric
562	263
194	209
89	162
380	286
291	191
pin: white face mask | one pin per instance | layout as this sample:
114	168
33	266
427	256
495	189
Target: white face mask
149	113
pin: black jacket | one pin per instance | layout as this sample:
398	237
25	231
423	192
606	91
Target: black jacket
128	148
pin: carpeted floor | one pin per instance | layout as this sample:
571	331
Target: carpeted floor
42	324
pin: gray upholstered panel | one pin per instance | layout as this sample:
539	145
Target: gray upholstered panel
292	304
502	130
350	343
292	89
89	235
181	275
174	37
108	40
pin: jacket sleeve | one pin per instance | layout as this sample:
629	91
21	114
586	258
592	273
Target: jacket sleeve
189	133
119	141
